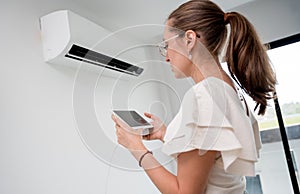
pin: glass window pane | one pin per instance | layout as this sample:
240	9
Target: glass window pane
272	166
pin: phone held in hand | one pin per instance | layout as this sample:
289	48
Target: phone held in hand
134	120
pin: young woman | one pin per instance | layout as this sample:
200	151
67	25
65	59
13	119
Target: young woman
214	136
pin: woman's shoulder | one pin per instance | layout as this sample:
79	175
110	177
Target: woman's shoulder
212	96
212	88
212	83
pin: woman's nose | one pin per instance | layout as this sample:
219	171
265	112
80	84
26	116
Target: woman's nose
167	58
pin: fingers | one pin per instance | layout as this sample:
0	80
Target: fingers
146	137
119	121
117	126
148	115
118	134
114	118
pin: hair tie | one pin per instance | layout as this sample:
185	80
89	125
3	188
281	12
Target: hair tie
225	17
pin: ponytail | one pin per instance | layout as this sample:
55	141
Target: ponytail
248	62
246	56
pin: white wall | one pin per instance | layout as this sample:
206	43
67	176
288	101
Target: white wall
51	141
273	19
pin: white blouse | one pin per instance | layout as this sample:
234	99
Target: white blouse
212	117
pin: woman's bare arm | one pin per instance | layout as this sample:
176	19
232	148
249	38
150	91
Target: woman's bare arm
192	169
192	172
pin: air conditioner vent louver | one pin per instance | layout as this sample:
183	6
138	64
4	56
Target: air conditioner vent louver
83	54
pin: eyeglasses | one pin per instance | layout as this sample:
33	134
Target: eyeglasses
163	46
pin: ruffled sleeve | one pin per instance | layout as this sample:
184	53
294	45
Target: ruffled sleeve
212	117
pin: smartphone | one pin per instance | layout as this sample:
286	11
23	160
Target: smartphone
134	120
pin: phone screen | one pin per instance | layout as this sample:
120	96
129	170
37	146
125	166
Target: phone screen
132	118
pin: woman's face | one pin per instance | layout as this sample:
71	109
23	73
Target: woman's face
177	54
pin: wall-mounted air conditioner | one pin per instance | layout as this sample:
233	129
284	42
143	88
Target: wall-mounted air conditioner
67	36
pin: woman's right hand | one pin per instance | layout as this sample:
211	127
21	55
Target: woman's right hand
159	128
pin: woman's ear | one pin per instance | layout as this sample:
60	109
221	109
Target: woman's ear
191	38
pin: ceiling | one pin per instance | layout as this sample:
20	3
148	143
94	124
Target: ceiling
119	14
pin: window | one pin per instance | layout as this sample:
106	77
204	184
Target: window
275	178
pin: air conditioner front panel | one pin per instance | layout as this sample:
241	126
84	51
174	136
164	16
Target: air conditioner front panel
62	31
56	35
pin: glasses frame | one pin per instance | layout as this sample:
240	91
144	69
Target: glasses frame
163	46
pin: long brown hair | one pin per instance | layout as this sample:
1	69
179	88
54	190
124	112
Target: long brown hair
246	56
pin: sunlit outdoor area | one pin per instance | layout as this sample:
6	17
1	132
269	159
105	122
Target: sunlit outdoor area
286	62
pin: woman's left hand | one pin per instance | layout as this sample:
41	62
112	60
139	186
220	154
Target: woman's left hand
128	137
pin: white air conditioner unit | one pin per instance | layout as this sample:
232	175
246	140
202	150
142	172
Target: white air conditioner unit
67	36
